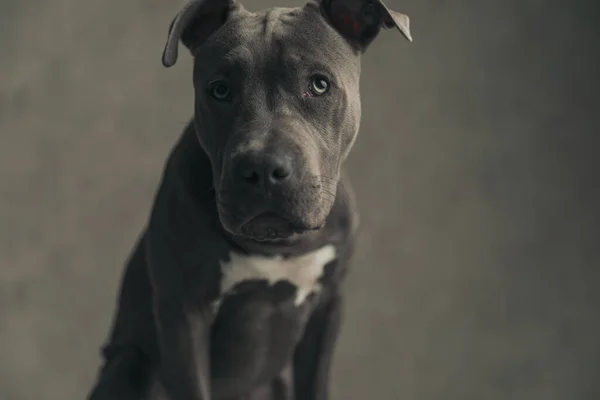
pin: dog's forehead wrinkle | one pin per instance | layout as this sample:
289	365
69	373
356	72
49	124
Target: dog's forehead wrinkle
281	42
271	20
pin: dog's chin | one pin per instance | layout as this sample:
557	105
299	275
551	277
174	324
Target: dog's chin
268	228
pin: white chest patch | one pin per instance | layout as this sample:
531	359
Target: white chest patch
303	272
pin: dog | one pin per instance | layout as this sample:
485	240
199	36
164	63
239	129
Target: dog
233	290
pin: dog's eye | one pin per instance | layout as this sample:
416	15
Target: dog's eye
319	85
219	90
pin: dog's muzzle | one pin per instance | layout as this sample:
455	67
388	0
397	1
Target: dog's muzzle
265	196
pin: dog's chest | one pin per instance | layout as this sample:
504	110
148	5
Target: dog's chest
262	312
302	273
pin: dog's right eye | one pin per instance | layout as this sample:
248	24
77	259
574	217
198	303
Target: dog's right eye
319	85
219	90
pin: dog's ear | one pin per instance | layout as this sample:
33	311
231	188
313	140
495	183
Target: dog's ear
359	21
195	23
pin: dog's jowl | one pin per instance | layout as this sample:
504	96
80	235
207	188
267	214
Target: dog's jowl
233	290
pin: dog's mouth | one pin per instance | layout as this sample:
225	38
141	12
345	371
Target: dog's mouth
269	226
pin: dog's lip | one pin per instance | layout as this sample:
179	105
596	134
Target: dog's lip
269	227
268	218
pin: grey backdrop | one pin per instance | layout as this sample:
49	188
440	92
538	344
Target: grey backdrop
477	267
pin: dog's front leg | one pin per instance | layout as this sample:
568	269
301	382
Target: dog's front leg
313	356
183	339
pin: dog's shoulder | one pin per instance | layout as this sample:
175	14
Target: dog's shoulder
182	243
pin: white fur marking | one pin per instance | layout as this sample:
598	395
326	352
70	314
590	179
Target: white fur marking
303	272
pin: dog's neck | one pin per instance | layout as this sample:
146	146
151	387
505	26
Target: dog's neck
189	169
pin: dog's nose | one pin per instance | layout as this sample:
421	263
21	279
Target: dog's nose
260	169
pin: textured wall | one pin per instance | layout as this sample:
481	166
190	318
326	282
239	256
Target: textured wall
477	267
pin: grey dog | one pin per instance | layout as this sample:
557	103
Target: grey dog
233	290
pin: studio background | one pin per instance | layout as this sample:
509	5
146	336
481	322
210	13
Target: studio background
476	272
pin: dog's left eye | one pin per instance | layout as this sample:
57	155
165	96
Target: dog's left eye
219	90
319	85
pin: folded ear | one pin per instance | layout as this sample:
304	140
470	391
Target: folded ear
195	23
359	21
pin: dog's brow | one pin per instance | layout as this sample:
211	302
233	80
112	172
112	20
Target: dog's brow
235	59
310	61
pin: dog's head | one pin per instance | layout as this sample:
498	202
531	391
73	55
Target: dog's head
277	104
